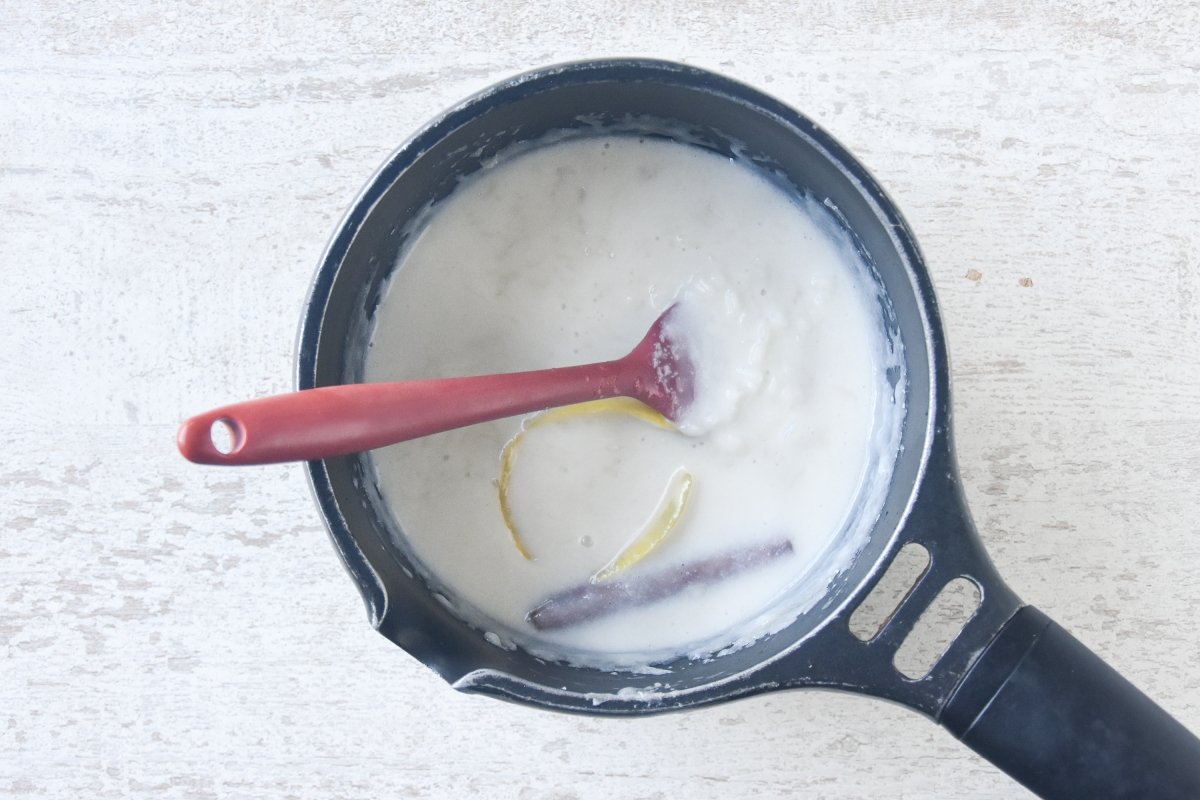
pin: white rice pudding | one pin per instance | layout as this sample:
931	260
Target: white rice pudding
565	254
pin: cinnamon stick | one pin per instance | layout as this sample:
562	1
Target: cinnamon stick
594	600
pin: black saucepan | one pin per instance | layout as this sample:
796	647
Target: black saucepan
1013	685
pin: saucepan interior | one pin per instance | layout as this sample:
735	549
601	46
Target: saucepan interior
652	99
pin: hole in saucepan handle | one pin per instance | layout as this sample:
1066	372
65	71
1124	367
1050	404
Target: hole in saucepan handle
227	435
903	574
937	628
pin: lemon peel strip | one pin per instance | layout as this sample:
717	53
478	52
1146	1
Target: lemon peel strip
508	456
662	523
508	459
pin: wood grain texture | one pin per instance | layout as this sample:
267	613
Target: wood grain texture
169	175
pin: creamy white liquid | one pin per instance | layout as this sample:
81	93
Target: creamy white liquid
566	254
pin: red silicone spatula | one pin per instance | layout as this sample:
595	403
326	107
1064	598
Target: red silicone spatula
336	420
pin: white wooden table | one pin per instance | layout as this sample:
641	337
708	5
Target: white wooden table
169	176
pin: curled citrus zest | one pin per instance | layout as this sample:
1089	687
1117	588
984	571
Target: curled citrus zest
508	459
508	456
613	405
661	524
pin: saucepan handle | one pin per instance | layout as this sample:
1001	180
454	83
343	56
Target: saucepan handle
1049	712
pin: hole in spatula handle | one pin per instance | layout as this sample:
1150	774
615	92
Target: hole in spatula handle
227	435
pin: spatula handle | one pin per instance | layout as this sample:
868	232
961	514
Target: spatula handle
337	420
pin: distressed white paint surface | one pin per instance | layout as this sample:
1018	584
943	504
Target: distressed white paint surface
168	177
